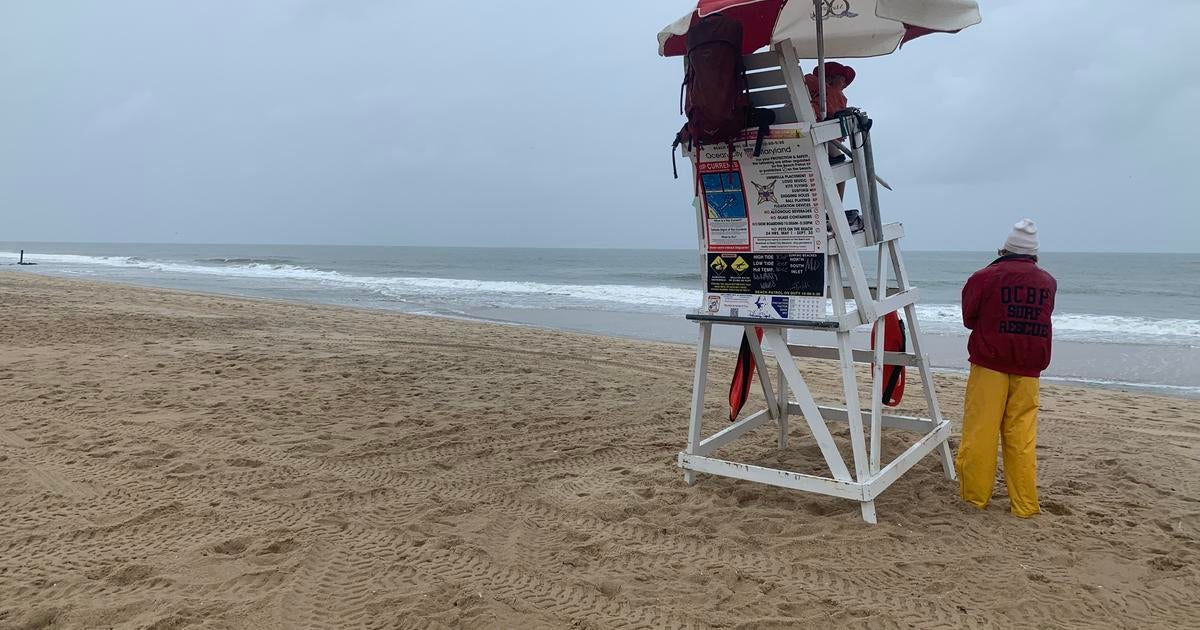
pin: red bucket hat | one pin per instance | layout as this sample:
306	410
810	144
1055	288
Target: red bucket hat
833	67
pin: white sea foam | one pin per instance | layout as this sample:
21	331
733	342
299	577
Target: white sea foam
938	318
402	286
1189	391
947	318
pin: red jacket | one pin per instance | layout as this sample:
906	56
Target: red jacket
835	100
1007	305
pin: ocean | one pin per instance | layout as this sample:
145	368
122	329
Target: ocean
1122	320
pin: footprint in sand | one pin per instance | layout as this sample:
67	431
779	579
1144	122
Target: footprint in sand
1057	509
234	547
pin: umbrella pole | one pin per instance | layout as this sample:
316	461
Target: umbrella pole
820	17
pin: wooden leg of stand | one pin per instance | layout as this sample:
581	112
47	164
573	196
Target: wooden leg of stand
699	382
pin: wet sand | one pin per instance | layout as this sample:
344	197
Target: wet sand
1154	369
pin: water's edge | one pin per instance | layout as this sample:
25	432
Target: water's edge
947	353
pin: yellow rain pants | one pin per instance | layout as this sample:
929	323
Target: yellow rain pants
999	407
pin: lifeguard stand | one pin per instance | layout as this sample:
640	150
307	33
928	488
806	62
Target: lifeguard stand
777	82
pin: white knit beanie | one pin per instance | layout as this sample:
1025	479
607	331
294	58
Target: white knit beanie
1023	239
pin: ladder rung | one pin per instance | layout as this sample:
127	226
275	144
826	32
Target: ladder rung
891	232
757	321
860	356
848	292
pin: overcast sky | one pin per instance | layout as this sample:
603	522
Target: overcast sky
548	123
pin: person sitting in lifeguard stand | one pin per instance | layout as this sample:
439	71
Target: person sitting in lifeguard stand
837	78
1007	305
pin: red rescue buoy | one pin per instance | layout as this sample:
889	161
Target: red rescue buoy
894	340
743	376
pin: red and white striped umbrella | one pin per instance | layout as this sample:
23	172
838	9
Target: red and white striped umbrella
851	28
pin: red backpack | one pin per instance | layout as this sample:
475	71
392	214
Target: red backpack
715	80
716	104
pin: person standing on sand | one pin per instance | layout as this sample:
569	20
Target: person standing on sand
1007	305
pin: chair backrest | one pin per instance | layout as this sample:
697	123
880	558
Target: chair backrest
768	88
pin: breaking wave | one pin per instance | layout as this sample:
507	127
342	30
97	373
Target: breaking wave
462	292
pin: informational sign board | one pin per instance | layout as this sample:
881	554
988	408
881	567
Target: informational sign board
764	228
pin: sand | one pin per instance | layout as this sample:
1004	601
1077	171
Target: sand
173	460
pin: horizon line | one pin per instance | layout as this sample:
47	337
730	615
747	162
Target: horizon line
546	247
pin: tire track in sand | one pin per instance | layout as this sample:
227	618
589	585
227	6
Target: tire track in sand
565	600
642	539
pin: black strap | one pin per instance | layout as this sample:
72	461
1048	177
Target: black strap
764	117
687	77
749	115
860	117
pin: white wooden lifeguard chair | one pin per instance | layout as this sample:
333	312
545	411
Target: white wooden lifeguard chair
776	81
